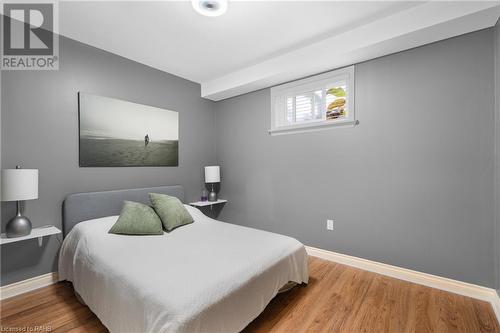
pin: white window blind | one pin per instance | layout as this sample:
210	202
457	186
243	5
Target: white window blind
320	101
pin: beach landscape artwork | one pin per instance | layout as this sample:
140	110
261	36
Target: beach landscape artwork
117	133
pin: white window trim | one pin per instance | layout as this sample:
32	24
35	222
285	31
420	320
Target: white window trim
312	83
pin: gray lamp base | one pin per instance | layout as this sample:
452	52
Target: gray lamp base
18	225
212	196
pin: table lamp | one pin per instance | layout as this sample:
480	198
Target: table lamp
19	185
212	175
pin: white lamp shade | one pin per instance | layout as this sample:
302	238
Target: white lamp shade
212	174
19	184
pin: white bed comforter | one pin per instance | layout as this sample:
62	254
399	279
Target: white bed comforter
208	276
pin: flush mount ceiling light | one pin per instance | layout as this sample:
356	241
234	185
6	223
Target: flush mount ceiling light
210	7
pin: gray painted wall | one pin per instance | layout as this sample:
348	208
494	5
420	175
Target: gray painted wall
410	186
40	130
497	154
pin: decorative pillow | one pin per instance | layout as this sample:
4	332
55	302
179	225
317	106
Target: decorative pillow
171	211
137	219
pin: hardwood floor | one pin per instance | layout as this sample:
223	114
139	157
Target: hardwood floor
338	298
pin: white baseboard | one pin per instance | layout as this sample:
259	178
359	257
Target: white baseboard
496	306
429	280
24	286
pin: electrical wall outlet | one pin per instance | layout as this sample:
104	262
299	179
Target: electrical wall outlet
329	224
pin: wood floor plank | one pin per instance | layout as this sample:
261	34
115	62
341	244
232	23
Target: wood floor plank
284	305
373	313
301	316
425	319
399	307
449	318
35	298
338	298
93	325
344	302
486	318
53	314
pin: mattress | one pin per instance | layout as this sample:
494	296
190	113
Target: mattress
208	276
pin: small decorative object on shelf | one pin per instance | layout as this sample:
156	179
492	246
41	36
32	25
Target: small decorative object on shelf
212	175
204	195
19	185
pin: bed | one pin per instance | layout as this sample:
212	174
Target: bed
208	276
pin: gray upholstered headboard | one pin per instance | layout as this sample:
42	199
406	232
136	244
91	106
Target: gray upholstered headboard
80	207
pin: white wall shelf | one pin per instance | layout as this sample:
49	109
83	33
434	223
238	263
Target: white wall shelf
207	203
39	233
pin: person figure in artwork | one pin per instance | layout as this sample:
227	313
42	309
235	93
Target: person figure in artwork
146	140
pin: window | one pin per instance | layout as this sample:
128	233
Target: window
320	101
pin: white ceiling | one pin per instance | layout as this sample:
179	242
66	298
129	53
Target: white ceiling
171	36
244	49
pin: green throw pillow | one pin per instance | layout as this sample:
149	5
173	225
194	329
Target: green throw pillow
137	219
171	211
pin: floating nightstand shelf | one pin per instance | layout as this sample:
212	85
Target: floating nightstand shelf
39	233
201	204
207	203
